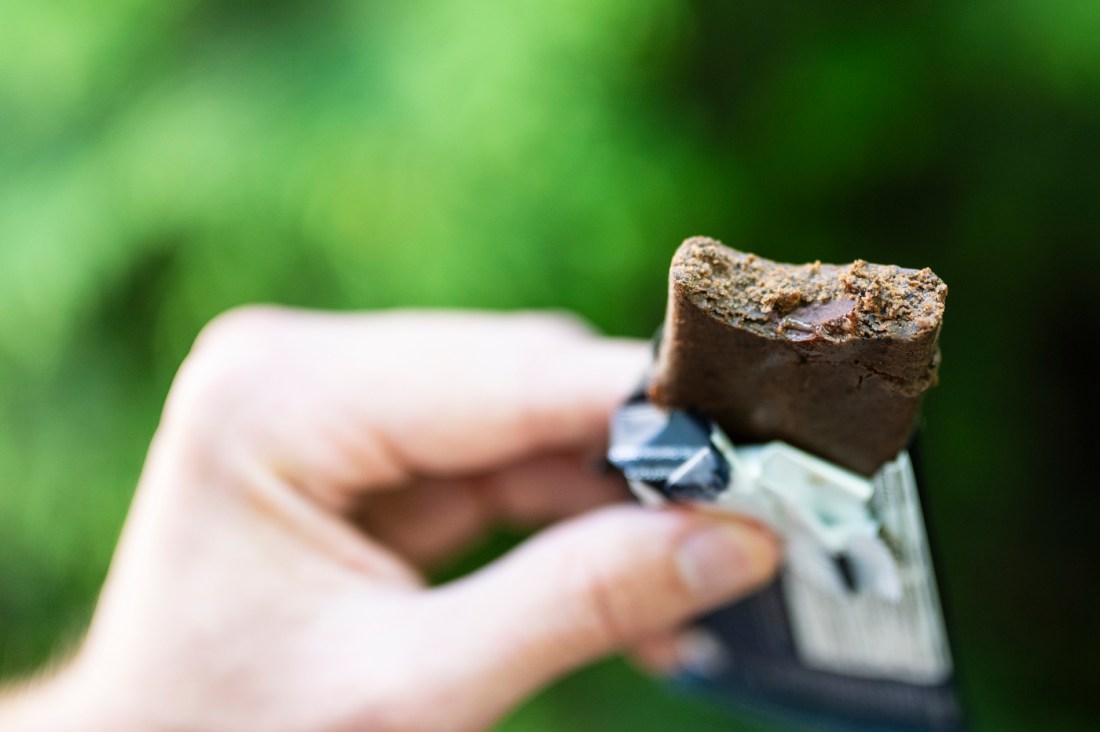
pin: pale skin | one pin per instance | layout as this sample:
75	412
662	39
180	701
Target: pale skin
309	468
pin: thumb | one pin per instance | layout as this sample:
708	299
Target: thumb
587	587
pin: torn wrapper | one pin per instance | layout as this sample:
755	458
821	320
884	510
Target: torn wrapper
823	511
851	636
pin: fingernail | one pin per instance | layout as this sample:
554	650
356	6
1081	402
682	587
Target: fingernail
724	558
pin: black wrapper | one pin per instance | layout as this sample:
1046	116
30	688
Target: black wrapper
784	651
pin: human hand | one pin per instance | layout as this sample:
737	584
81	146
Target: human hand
308	467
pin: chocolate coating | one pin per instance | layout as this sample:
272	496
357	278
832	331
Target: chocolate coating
833	359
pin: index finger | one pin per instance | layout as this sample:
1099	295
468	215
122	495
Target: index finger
352	402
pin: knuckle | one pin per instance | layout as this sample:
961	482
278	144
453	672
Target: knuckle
239	326
218	382
608	599
607	616
630	587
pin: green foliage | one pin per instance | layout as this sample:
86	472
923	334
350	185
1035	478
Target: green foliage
163	161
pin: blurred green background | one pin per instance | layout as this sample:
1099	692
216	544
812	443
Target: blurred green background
162	161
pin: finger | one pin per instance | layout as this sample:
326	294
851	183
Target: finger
657	655
341	404
591	586
477	392
433	519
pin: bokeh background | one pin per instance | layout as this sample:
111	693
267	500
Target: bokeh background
162	160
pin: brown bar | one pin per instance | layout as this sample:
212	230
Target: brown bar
833	359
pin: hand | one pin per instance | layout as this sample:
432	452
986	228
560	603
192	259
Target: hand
308	467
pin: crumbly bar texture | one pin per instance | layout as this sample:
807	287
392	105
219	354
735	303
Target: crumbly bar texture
833	359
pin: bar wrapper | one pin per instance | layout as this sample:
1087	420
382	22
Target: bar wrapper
851	636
